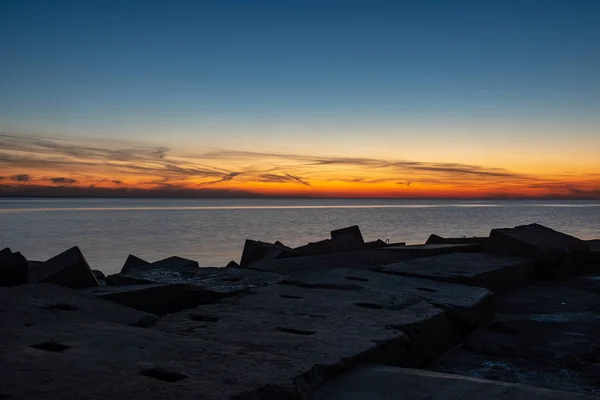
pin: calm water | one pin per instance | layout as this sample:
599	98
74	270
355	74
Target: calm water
213	231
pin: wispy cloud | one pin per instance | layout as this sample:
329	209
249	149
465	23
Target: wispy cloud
93	164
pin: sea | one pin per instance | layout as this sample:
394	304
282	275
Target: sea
213	231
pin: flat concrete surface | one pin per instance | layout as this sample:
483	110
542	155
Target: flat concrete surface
377	382
342	315
44	303
496	273
469	305
99	360
545	335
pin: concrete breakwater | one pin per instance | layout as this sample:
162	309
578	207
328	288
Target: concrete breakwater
503	316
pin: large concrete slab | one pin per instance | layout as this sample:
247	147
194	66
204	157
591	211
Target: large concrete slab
376	382
555	253
496	273
345	311
92	360
544	335
469	305
39	304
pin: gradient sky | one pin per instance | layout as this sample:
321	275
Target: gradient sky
301	98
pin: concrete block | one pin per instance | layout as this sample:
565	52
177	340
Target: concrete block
555	253
69	269
353	231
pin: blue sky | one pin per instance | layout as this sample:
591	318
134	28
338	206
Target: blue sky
312	76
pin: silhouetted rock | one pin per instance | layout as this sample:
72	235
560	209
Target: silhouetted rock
69	269
13	268
232	264
555	253
353	231
344	243
258	251
133	262
315	248
435	239
496	273
99	274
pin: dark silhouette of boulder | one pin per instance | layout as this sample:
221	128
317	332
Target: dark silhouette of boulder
232	264
555	253
69	269
353	230
133	262
259	251
13	268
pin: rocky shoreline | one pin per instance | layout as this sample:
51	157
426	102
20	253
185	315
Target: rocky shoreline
502	316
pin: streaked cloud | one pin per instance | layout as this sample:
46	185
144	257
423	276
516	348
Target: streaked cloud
107	164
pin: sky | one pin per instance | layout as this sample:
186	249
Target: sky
243	98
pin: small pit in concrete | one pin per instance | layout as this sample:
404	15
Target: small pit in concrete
203	318
51	346
60	307
162	374
372	306
294	331
357	278
289	296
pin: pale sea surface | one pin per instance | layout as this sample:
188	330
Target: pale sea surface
212	231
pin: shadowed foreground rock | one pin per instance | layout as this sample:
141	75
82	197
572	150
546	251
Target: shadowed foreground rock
543	335
69	269
385	383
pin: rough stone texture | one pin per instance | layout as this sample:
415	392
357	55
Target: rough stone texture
227	281
436	239
353	231
69	269
13	268
43	303
377	382
92	360
467	305
555	253
496	273
358	315
544	335
133	262
256	251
